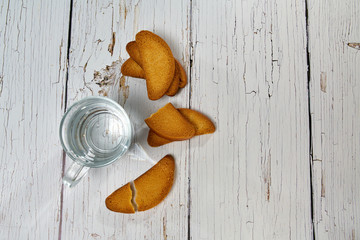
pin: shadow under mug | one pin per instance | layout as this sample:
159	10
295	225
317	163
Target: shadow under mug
94	132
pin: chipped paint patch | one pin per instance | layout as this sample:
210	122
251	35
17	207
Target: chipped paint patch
62	99
323	81
354	45
1	84
124	89
125	13
322	184
136	18
267	175
164	228
95	235
107	78
102	92
112	83
112	44
353	234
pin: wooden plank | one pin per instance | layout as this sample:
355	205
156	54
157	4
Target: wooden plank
251	179
98	28
334	33
33	50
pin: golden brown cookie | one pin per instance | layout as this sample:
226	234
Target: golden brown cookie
157	62
174	87
120	200
179	75
134	53
202	124
169	123
182	73
132	69
154	185
155	140
151	188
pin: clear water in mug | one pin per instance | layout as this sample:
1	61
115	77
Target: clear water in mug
97	132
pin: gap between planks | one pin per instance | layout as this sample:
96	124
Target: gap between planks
310	120
190	90
65	108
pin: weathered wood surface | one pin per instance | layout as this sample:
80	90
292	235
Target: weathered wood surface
334	34
251	180
272	167
32	79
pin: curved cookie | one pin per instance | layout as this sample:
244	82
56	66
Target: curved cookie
169	123
154	185
174	87
132	69
120	200
134	53
149	189
155	140
158	63
202	124
182	73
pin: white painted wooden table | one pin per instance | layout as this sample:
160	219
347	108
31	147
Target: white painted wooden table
280	78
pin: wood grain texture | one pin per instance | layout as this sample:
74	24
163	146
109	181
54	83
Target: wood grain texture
335	114
33	43
99	34
251	179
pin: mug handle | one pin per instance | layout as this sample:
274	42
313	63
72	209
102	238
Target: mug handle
74	174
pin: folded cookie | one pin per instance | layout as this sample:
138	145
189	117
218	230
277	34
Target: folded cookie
179	79
202	124
169	123
182	74
132	69
157	62
155	140
148	190
134	53
174	87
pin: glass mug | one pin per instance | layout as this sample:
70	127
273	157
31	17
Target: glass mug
94	132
